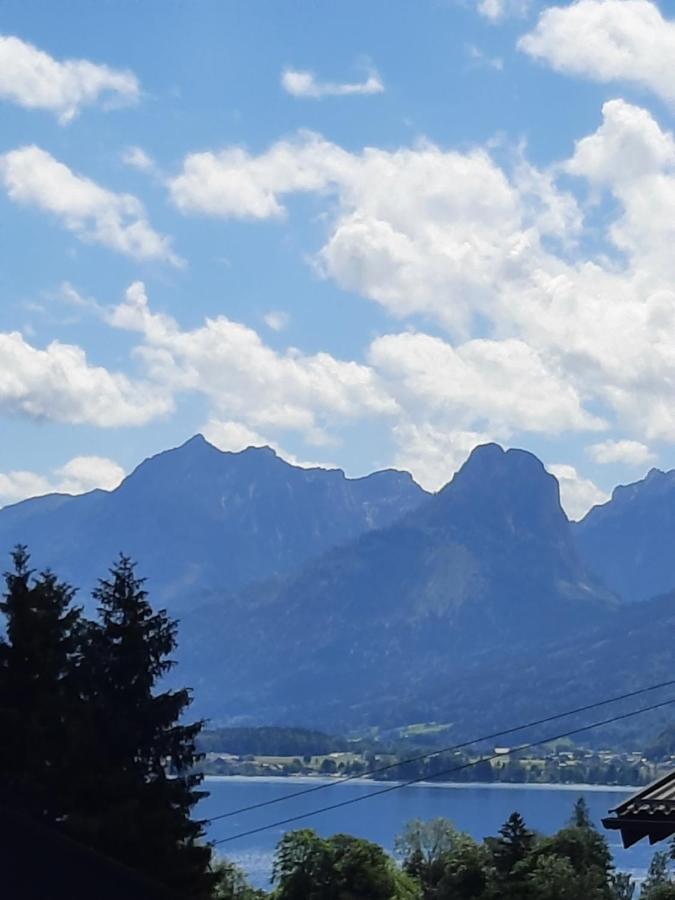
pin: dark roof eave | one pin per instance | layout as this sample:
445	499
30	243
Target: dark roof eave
634	829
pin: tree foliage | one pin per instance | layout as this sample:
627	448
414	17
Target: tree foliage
90	744
657	885
39	663
342	867
142	810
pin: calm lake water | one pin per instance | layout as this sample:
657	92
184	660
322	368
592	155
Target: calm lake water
476	809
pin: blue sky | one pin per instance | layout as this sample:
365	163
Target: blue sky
367	234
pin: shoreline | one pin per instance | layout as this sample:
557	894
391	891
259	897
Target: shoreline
441	785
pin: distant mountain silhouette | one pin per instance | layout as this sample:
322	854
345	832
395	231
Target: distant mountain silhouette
630	540
486	566
199	520
309	598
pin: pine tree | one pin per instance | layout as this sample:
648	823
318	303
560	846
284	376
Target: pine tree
140	811
38	658
513	844
581	816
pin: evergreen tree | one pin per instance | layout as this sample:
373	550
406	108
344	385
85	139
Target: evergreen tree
513	844
658	874
140	811
581	816
38	660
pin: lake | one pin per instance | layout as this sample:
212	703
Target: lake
477	809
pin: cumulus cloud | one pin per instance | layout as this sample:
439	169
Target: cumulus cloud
247	381
505	384
32	177
235	436
232	436
58	384
85	473
568	339
632	453
417	230
79	475
235	184
431	453
302	83
476	386
607	41
31	78
577	494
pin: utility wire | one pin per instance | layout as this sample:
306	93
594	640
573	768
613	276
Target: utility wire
430	754
399	785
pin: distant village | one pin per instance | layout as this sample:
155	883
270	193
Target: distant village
576	765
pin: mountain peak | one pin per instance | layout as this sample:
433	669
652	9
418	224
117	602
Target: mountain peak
505	490
199	442
628	541
490	466
200	519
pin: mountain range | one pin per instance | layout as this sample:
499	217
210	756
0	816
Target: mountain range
306	597
200	521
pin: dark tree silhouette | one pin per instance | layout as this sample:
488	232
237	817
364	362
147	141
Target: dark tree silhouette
39	657
140	811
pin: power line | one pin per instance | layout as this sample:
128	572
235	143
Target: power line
430	754
399	785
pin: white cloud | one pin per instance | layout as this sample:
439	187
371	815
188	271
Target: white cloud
632	453
481	384
576	339
235	184
577	494
302	83
58	384
276	320
232	436
504	384
629	144
417	230
247	381
495	10
137	158
235	436
79	475
19	484
607	41
432	454
35	80
32	177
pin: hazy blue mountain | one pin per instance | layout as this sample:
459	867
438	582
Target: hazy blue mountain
486	567
630	540
198	520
